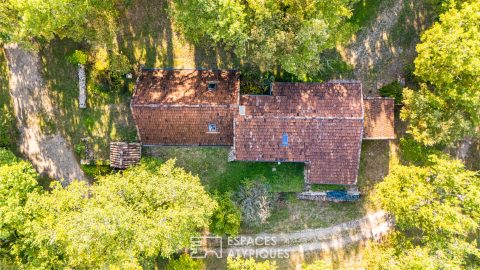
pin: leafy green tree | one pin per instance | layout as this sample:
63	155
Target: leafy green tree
240	263
185	262
287	34
227	217
125	220
447	107
7	157
78	57
18	180
397	253
91	20
394	90
437	213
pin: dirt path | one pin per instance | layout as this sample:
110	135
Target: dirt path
372	226
50	154
374	53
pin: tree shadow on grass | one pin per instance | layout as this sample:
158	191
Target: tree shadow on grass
146	34
107	115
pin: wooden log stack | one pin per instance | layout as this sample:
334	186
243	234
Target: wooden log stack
123	154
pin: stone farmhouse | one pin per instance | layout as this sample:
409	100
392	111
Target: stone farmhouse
319	124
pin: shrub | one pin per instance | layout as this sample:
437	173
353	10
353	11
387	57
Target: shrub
80	150
96	171
78	58
109	68
393	90
255	201
255	82
185	262
102	62
119	64
8	129
240	263
7	157
317	265
226	218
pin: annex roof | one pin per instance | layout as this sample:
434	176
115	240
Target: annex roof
379	118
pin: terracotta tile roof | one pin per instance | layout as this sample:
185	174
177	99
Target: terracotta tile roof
186	87
323	121
184	125
321	124
331	146
332	99
175	107
379	118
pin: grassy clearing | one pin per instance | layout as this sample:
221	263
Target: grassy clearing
212	166
107	117
289	214
148	37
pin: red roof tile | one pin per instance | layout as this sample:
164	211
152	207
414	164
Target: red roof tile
323	121
184	125
330	99
379	118
186	87
175	107
331	146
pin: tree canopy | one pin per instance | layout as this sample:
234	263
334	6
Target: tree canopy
437	214
125	220
90	20
271	34
18	180
447	107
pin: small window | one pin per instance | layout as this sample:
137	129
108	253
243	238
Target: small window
212	86
212	128
285	139
241	110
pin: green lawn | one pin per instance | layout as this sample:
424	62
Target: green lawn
212	166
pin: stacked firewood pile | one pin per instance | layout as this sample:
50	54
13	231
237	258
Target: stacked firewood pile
123	154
